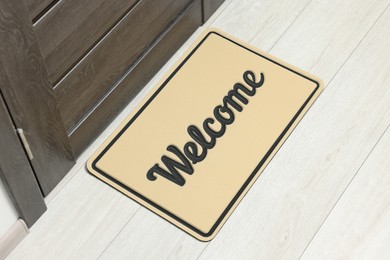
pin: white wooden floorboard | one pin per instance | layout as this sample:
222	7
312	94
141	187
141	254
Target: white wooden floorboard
359	226
299	188
180	245
326	33
263	20
80	222
149	231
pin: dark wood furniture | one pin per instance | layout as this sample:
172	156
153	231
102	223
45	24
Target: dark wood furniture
16	172
67	68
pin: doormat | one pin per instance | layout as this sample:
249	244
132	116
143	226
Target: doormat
193	148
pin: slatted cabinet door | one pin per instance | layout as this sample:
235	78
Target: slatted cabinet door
29	96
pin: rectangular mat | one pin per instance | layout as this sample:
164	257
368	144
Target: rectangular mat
191	150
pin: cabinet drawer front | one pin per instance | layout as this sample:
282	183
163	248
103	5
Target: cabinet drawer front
36	7
137	76
71	27
93	77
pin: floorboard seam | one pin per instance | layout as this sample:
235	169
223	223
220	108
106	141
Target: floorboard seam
353	177
288	27
361	40
127	222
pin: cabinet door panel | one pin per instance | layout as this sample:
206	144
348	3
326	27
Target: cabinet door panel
92	78
36	7
137	76
16	172
72	27
29	96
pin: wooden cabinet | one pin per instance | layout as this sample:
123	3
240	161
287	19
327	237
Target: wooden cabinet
29	96
69	67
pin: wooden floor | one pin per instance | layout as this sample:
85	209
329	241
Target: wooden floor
325	195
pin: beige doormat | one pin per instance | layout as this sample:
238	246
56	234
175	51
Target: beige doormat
192	149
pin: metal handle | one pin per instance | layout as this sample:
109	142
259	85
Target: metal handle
25	143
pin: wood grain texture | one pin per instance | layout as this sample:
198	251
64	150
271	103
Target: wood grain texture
326	40
266	21
16	172
158	230
358	226
81	221
29	96
209	7
136	77
72	27
35	7
81	89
